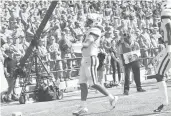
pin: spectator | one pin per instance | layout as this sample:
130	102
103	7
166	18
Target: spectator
63	22
53	49
68	35
5	31
115	61
9	68
78	30
133	21
23	42
42	50
24	15
12	19
43	55
65	47
140	17
145	39
148	15
107	46
121	27
108	27
8	48
102	62
154	41
55	57
18	48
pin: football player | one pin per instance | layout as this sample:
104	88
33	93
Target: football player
90	62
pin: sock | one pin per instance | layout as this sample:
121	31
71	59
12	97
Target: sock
110	96
84	91
163	90
101	89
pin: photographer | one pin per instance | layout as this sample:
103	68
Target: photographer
128	45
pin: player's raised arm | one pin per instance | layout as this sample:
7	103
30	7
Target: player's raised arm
92	36
88	41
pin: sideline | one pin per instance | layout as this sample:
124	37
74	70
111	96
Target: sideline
46	111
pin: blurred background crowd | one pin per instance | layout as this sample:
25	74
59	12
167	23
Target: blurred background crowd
20	20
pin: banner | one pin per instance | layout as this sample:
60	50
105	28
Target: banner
131	56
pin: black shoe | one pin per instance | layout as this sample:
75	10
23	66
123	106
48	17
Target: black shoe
159	108
126	92
141	90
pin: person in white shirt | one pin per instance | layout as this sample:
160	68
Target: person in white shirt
54	56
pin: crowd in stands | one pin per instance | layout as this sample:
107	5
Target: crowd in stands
20	20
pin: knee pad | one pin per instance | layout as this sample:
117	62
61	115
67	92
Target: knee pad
159	78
